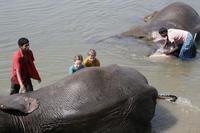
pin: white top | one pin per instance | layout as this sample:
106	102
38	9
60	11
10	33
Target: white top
177	36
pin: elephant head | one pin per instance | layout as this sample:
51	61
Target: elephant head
12	109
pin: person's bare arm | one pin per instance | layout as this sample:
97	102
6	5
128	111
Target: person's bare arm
166	43
22	87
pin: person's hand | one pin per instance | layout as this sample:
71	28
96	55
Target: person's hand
22	89
39	81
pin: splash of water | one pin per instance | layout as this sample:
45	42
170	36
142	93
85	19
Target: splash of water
187	102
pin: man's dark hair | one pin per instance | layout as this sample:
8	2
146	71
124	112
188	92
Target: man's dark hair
162	30
22	41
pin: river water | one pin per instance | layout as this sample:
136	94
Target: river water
58	30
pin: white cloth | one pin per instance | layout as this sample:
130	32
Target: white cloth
177	36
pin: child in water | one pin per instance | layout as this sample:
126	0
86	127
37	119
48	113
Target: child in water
78	59
91	60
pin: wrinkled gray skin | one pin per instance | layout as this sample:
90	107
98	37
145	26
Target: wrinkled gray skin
177	15
110	99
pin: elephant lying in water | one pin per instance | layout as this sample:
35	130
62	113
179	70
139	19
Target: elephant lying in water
110	99
177	15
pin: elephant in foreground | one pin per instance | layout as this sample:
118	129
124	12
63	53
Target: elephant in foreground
177	15
111	99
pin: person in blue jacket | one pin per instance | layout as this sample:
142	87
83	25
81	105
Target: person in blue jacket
78	60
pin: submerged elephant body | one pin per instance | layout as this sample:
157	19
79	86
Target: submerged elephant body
177	15
109	99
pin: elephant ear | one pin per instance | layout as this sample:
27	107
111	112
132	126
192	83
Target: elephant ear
18	103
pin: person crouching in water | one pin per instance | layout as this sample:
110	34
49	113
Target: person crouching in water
182	40
78	59
91	60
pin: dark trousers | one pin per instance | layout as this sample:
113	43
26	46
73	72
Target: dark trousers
16	87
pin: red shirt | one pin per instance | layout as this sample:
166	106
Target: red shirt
26	67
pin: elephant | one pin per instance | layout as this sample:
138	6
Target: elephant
107	99
176	15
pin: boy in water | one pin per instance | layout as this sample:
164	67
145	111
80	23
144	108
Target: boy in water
78	59
23	69
91	60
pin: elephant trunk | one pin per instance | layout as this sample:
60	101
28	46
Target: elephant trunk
139	32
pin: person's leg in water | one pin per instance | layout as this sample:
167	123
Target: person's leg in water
14	89
188	49
29	86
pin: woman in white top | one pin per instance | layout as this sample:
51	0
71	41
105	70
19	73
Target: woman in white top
182	40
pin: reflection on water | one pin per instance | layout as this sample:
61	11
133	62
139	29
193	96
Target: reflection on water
58	30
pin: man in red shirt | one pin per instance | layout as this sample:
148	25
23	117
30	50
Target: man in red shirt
23	69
